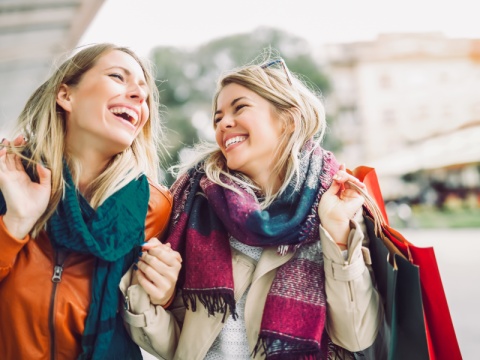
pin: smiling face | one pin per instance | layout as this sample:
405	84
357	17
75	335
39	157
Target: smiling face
248	132
107	109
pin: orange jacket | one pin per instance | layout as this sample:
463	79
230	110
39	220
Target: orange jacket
40	319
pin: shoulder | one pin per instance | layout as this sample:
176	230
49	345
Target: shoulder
159	209
160	193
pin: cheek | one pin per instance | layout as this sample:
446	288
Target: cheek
145	112
218	137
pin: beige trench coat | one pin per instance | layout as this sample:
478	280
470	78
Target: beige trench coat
353	310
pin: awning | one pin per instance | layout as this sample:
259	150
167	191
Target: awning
456	148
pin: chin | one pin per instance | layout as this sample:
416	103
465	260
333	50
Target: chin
118	147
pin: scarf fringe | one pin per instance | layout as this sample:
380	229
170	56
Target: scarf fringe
274	348
213	300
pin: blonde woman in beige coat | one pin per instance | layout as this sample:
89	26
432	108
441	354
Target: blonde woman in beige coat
265	221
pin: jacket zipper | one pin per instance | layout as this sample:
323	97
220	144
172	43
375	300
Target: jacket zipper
60	257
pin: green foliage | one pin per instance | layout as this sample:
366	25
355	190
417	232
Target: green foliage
187	79
429	217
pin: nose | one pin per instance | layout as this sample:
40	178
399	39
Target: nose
227	122
138	93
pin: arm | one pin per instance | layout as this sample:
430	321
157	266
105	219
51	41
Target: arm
354	312
149	286
11	246
152	327
25	202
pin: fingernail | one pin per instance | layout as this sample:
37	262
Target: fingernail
336	177
140	254
135	267
145	243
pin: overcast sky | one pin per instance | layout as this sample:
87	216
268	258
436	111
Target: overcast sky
144	24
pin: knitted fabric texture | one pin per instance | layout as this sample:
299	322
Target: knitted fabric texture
205	214
112	234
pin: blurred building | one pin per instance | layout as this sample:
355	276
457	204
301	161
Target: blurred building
32	34
408	103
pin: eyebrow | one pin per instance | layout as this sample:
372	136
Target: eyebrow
232	103
128	72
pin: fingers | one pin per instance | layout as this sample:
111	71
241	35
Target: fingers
11	161
159	293
19	141
157	270
341	177
162	260
44	175
151	244
165	254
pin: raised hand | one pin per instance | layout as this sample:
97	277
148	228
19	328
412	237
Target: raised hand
157	271
339	204
26	200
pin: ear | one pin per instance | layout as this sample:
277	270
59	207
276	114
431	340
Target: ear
64	98
289	120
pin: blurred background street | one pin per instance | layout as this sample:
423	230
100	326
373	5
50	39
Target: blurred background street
400	82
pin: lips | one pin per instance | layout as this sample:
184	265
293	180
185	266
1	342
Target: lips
234	140
125	113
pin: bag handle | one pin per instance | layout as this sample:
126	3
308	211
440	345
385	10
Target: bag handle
373	212
368	177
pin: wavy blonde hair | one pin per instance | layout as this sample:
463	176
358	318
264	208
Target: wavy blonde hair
42	123
296	104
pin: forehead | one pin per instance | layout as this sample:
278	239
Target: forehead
120	59
234	91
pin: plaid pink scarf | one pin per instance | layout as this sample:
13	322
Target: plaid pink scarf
206	214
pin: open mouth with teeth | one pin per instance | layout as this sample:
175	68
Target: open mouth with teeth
235	140
126	114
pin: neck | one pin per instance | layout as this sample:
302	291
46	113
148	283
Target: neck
92	165
88	175
266	181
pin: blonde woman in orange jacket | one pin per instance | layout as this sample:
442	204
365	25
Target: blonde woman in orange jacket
78	200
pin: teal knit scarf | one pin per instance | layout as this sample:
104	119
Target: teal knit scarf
111	233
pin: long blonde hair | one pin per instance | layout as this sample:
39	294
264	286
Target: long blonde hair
295	103
42	122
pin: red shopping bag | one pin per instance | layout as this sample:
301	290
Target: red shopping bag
441	337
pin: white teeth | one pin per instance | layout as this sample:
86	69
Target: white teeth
234	140
124	110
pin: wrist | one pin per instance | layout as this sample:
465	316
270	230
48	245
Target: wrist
16	226
342	246
169	302
338	230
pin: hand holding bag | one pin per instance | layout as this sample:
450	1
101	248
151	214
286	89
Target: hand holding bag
400	294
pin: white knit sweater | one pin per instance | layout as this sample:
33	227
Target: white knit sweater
232	342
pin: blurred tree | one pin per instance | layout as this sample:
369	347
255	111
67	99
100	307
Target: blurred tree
187	81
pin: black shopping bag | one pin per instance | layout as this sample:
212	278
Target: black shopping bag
398	282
